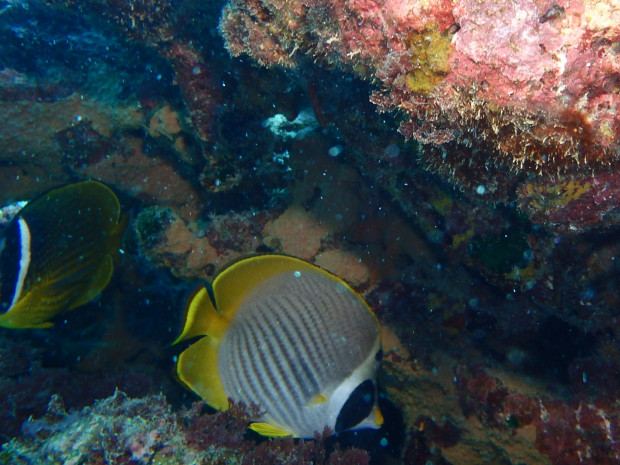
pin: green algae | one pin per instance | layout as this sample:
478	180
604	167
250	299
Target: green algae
151	224
430	50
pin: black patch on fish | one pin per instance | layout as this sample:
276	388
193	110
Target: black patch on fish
357	407
9	265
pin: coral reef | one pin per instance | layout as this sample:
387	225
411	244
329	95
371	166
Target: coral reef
120	429
192	251
199	93
487	243
542	100
487	415
572	205
27	384
316	225
568	432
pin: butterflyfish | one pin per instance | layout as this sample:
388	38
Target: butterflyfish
289	338
58	253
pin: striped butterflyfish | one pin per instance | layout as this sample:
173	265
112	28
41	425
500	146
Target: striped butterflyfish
57	253
289	338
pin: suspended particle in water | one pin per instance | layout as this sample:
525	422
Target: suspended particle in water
335	151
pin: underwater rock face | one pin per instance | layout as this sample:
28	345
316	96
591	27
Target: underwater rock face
473	287
566	431
529	87
533	82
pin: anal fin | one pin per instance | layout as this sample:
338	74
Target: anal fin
265	429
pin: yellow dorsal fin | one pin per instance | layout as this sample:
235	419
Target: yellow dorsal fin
265	429
234	282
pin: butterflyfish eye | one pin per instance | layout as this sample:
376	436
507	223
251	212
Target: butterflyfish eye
357	407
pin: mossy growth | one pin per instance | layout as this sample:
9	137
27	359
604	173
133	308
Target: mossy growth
151	225
6	457
430	49
545	196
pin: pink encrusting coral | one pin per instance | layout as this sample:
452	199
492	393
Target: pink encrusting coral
554	63
533	83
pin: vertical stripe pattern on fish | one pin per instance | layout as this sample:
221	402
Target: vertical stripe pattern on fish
294	340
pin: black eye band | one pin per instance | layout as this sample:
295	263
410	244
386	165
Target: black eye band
357	407
9	265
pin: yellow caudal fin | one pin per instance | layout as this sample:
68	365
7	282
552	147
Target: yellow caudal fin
197	365
201	318
197	369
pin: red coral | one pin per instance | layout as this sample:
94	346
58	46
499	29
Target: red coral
568	432
541	100
145	430
194	79
224	429
573	205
